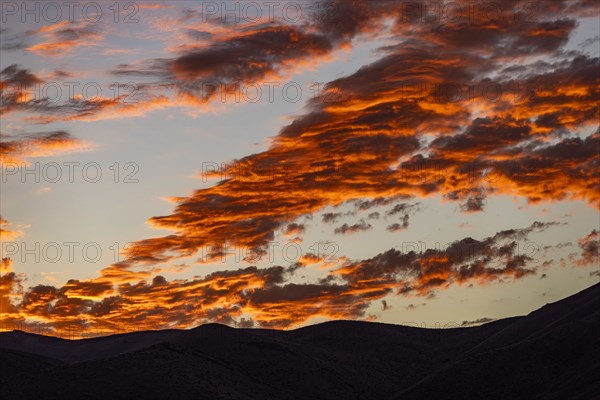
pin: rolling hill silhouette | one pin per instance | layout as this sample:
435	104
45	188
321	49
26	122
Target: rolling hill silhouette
552	353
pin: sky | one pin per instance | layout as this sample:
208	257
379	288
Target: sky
278	164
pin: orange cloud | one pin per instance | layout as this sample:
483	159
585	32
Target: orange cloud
17	149
63	37
267	296
7	234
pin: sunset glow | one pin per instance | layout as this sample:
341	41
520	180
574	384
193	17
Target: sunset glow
170	164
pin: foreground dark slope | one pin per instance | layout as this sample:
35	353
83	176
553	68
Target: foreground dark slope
552	353
71	351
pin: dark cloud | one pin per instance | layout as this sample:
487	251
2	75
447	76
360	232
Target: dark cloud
478	321
358	227
196	34
331	217
373	215
248	58
403	208
365	204
483	135
475	202
294	228
398	227
19	91
590	250
12	42
13	75
18	148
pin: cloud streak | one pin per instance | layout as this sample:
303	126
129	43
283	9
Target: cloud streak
15	150
371	142
64	37
269	296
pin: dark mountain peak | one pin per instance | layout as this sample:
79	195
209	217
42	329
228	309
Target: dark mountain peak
213	326
551	353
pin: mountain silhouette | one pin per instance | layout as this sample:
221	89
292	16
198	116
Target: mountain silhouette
552	353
